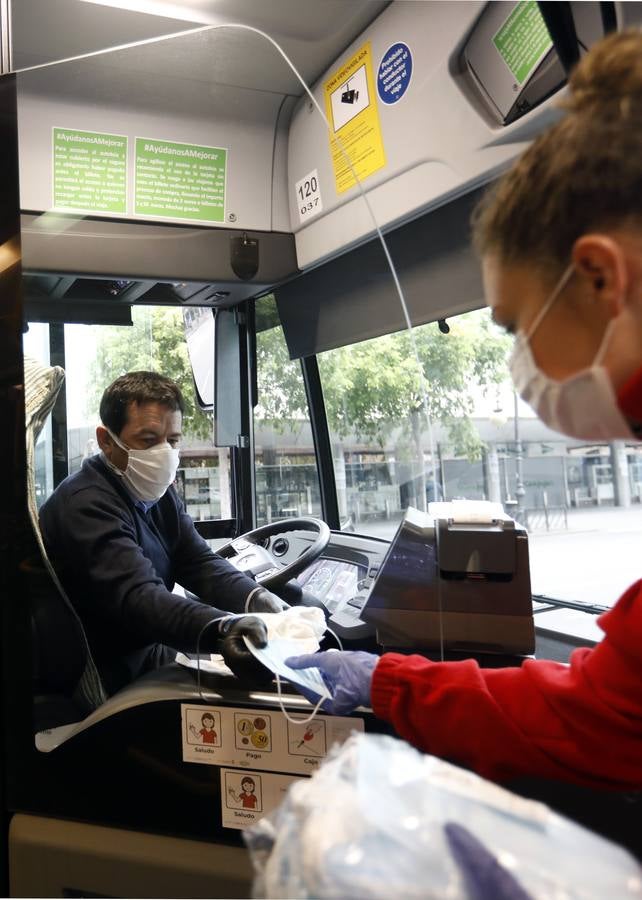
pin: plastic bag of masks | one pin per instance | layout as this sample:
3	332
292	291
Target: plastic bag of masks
381	820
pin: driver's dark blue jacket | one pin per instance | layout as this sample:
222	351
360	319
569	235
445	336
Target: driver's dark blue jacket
119	564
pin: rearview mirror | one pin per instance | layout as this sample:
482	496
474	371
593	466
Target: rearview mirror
199	327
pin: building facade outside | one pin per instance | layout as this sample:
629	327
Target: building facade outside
378	483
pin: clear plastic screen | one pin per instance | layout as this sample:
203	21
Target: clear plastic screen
177	132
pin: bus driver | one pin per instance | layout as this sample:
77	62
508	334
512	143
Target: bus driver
561	245
119	538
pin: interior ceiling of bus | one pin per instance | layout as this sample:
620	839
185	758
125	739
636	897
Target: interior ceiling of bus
312	32
199	74
230	88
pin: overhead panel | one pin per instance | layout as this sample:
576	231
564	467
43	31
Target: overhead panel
190	127
164	163
353	298
505	54
141	262
120	135
142	166
44	32
508	61
431	101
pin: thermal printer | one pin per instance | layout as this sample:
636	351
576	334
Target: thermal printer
458	577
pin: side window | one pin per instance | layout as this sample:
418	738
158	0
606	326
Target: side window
579	501
287	481
96	355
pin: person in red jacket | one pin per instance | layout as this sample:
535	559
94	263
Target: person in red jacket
560	238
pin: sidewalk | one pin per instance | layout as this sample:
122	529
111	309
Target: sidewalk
606	518
594	561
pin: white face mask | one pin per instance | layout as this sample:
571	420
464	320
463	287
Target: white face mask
582	406
149	472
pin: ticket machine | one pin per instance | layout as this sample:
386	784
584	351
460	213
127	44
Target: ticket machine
457	579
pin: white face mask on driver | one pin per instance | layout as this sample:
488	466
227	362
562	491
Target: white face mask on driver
149	472
583	405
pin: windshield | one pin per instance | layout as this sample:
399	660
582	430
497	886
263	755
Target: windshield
580	503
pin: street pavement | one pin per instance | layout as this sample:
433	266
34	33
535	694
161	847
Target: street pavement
593	561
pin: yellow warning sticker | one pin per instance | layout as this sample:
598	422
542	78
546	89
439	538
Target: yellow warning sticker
355	133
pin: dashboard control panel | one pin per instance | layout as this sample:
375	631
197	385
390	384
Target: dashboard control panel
343	588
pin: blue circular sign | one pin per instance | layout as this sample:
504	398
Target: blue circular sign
395	72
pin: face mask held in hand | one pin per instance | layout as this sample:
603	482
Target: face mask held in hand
583	405
348	676
149	472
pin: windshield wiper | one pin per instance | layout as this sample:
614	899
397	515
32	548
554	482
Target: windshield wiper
595	609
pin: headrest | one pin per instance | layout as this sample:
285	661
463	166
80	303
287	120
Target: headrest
42	384
64	662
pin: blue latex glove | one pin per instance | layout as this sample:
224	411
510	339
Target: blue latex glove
348	675
484	876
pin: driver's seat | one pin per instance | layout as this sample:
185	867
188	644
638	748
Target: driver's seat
67	686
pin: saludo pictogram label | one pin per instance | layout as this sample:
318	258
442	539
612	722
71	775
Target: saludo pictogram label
247	796
259	738
203	727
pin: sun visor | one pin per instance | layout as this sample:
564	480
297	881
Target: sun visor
415	104
352	298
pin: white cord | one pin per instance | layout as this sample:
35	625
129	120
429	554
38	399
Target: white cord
335	636
198	650
250	595
391	265
284	710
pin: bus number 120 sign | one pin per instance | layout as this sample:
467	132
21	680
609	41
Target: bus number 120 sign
308	196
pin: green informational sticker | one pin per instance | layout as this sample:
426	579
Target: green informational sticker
180	181
523	40
89	171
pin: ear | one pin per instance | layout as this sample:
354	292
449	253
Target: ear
103	438
600	263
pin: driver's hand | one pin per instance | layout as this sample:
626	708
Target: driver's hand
266	602
236	655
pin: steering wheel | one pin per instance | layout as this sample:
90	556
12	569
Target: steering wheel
247	555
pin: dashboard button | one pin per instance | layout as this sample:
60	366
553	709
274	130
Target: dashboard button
280	546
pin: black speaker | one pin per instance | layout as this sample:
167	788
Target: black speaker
244	257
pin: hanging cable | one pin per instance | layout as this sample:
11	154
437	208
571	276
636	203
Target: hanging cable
290	719
198	652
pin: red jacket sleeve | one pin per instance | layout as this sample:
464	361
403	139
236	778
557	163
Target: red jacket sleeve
580	723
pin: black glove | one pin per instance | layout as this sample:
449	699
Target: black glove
236	655
291	592
265	601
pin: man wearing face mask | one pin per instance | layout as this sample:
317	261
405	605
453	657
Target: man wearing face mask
119	538
561	244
